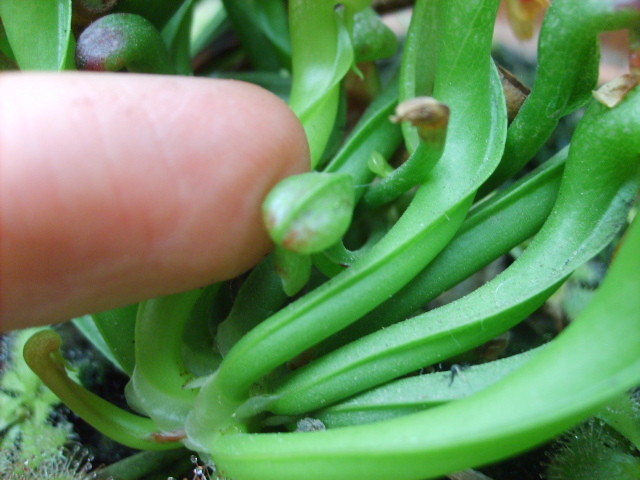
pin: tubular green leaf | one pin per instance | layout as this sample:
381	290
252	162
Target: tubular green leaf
42	354
39	32
310	212
568	60
417	393
117	328
428	224
419	59
159	376
519	210
432	130
394	258
591	363
322	54
601	180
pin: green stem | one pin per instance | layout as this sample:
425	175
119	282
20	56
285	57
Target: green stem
42	354
432	128
373	133
334	260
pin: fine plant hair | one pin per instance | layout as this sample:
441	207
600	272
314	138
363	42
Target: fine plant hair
64	463
593	451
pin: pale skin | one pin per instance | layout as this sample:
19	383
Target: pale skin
115	188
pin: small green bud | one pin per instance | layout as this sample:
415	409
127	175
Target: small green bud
310	212
378	165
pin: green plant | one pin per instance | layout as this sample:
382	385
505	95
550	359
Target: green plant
309	343
59	464
27	414
591	451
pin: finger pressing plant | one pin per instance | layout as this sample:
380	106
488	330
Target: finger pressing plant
326	361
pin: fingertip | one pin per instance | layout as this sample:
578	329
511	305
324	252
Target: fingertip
117	188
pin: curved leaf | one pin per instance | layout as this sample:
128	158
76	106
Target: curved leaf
39	32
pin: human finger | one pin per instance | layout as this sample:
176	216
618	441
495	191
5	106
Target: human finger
120	187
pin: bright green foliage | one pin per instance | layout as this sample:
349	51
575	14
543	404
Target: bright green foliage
176	35
517	292
482	427
157	385
52	47
417	393
322	54
567	74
